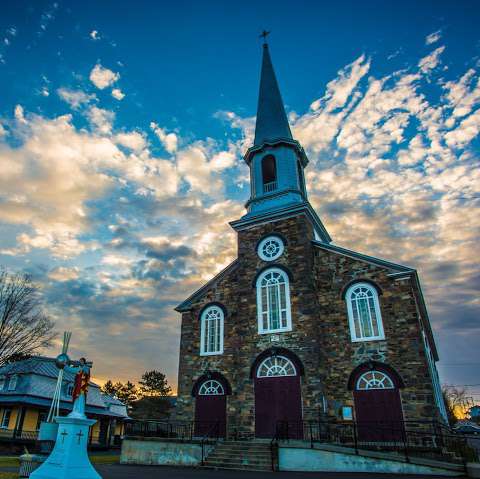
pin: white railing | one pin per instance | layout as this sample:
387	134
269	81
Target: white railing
267	187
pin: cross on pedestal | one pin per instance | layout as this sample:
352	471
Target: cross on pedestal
63	434
79	435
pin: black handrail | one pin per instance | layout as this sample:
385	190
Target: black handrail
274	449
421	438
215	429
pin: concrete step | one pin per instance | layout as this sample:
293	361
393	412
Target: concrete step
237	466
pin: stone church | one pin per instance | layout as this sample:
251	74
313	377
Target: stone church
296	328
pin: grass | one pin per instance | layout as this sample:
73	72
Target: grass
8	475
105	459
9	461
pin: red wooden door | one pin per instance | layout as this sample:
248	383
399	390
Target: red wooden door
209	410
379	415
278	398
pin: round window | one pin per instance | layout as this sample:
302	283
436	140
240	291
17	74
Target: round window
270	248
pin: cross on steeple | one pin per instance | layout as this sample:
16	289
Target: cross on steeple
79	435
63	434
264	35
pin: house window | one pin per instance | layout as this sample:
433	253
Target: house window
211	388
276	366
12	384
364	313
2	382
42	417
211	326
5	418
269	173
270	248
374	380
273	301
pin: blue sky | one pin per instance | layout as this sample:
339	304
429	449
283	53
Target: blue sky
122	127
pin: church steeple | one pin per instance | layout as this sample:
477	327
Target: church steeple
276	162
272	123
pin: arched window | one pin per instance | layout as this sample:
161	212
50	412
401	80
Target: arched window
269	173
364	313
374	380
211	327
276	366
273	302
211	388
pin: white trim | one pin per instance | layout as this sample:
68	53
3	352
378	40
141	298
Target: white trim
260	310
203	335
378	315
270	239
214	388
379	380
289	363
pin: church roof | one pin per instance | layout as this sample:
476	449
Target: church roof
272	122
187	304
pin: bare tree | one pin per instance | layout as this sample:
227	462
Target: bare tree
457	402
24	328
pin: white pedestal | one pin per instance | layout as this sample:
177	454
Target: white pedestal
69	459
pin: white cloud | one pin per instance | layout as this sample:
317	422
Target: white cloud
133	140
428	63
101	120
169	140
433	37
103	77
118	94
75	98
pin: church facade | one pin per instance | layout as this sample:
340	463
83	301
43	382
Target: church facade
296	328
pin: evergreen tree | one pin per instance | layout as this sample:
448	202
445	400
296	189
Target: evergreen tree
154	383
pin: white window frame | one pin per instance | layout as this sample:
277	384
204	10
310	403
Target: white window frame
203	332
5	411
260	311
383	379
272	238
12	383
286	363
378	315
211	387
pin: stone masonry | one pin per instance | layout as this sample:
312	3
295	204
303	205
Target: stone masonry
320	335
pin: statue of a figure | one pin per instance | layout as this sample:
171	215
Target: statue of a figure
80	388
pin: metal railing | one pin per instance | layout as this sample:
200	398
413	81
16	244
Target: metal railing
19	435
409	438
179	430
268	187
210	438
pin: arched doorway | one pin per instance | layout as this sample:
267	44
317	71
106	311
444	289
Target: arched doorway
210	408
378	407
277	397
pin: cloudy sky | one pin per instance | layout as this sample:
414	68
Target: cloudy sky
122	130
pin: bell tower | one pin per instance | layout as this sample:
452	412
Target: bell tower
276	162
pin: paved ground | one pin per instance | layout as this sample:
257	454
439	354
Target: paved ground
164	472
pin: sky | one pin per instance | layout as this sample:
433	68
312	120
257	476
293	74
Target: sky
122	130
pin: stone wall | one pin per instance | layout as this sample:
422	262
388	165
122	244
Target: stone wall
320	335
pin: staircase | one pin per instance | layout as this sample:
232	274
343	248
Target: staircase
246	455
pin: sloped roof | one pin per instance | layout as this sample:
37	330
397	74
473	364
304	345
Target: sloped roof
37	379
272	122
187	304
